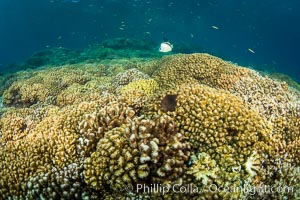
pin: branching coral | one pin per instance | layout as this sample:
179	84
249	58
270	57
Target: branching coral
14	125
21	160
19	95
113	164
60	183
93	127
131	153
210	118
159	143
137	93
129	76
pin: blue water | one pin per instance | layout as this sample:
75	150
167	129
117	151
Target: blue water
223	28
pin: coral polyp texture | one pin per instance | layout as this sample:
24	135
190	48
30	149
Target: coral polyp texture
139	151
198	68
191	121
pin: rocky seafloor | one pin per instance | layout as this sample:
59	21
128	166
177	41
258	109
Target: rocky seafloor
119	121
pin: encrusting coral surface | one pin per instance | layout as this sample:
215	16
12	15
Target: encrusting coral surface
92	130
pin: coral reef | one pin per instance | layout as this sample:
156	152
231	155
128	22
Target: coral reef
92	129
223	131
32	146
279	104
145	86
197	68
64	85
285	78
129	76
211	118
113	164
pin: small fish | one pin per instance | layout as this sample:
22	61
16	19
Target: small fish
168	103
215	27
165	47
192	35
59	37
121	28
251	51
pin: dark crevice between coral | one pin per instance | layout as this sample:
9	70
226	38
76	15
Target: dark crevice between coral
232	133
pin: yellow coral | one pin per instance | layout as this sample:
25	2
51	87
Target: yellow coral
145	86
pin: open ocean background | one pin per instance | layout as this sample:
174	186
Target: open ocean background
270	28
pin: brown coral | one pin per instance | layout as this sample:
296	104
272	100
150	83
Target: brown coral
96	143
47	83
279	104
143	150
218	124
60	183
197	68
211	118
113	164
20	160
51	143
93	127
